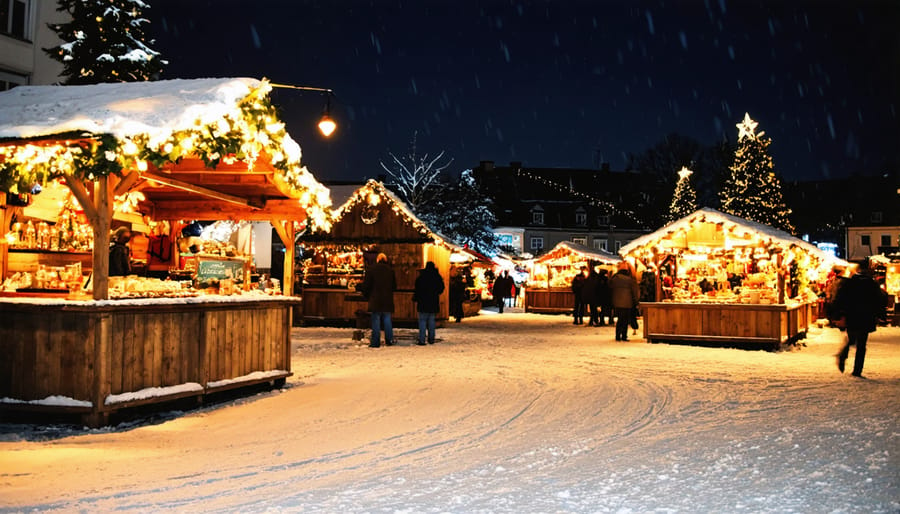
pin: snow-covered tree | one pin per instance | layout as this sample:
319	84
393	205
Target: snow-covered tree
104	42
753	191
416	178
684	200
464	214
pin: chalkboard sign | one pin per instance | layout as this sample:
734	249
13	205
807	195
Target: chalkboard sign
208	269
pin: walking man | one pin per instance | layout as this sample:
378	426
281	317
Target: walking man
860	302
429	286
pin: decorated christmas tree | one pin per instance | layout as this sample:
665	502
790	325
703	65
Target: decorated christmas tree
753	191
104	42
684	200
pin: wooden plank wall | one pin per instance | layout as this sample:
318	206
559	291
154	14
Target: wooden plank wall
47	352
46	355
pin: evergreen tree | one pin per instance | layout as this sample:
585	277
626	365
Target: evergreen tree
753	191
684	200
464	214
104	42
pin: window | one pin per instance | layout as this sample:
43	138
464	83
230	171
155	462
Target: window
600	244
875	217
14	18
580	218
603	220
10	80
580	240
505	240
618	246
537	243
886	240
865	240
537	217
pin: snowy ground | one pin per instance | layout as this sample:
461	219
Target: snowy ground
507	413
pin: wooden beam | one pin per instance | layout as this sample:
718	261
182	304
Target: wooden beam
193	188
81	194
217	210
126	183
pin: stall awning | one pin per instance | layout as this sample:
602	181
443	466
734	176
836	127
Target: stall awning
567	248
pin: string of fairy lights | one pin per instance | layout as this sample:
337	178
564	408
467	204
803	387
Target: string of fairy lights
592	200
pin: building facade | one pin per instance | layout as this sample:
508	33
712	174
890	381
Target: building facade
23	35
537	208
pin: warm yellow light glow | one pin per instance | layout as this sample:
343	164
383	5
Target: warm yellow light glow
142	166
373	199
327	126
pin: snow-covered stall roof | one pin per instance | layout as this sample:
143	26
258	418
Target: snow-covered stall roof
120	109
374	192
126	126
566	248
739	227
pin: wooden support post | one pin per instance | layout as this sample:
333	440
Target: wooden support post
99	415
101	239
288	286
779	264
658	262
4	226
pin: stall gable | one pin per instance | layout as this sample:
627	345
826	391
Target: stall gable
365	222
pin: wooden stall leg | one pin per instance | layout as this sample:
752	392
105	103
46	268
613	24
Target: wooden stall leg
99	416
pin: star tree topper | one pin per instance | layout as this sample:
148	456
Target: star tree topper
747	127
684	173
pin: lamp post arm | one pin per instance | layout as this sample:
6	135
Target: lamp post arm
303	88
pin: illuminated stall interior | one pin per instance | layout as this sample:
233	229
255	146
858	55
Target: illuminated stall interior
372	221
710	256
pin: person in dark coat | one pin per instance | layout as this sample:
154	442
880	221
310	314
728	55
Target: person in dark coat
860	302
457	295
502	289
577	287
120	253
605	298
590	296
625	297
429	286
378	287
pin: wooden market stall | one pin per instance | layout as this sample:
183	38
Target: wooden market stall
207	149
549	286
725	280
475	270
372	221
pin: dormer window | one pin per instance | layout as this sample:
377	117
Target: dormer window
537	215
603	220
876	217
580	217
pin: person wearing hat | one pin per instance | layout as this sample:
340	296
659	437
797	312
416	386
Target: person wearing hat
120	253
429	286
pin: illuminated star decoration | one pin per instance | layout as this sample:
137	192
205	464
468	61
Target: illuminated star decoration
684	173
747	127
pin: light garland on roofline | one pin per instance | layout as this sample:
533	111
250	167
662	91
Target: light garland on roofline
254	131
373	193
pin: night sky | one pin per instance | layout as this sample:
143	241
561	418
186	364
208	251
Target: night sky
558	84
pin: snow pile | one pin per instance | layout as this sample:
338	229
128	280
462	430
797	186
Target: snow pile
153	392
55	400
121	109
506	413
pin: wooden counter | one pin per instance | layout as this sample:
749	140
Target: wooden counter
763	325
549	301
107	355
341	305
